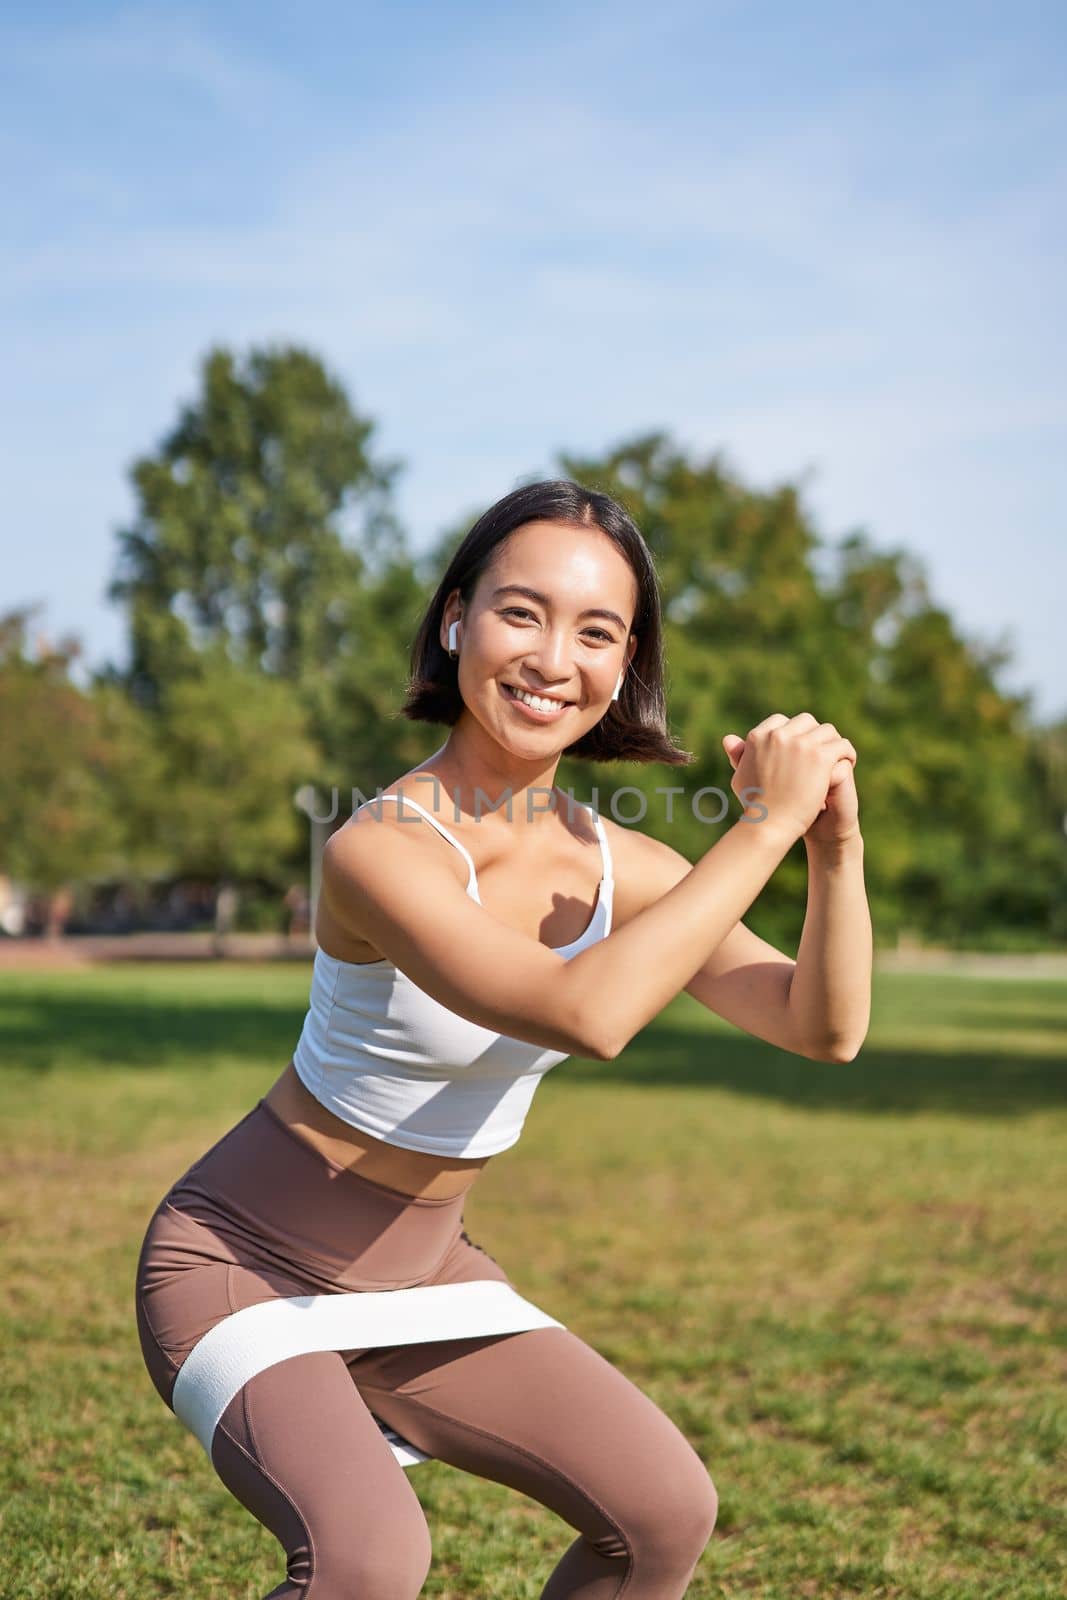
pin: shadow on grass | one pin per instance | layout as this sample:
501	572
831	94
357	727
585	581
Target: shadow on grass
43	1034
985	1084
43	1029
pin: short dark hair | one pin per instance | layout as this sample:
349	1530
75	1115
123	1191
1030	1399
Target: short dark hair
634	728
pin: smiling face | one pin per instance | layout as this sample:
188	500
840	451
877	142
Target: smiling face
566	638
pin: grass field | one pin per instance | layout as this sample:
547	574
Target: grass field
843	1283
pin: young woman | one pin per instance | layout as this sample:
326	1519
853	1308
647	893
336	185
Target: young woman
308	1301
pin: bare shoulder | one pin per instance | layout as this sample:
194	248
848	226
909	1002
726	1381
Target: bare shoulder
382	818
400	888
376	853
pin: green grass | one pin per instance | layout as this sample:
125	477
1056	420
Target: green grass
843	1283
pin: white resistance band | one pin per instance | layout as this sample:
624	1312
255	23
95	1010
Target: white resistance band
247	1341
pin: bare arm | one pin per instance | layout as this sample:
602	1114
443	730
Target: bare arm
408	902
628	978
790	763
830	994
745	979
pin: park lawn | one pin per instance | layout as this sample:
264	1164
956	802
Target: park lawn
841	1282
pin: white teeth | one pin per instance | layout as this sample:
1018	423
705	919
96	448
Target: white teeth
539	702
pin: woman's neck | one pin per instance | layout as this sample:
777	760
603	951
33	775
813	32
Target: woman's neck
483	784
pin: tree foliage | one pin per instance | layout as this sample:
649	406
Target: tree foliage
762	616
236	749
77	772
265	530
271	599
246	516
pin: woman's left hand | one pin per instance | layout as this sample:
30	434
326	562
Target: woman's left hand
839	818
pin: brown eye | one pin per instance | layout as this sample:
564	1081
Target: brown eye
520	611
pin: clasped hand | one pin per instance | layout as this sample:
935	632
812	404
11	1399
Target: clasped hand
838	816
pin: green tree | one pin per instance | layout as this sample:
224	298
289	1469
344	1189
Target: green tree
246	517
265	527
762	615
235	747
76	774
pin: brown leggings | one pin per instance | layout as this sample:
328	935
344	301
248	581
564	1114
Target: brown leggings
262	1215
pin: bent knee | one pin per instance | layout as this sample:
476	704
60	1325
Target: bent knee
394	1569
694	1504
710	1506
676	1514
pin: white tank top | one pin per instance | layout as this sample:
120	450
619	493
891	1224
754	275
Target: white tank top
389	1059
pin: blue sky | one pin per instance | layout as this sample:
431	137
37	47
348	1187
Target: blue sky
827	240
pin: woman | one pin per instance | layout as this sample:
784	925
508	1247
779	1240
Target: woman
307	1298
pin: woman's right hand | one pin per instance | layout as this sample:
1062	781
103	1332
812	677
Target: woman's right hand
786	765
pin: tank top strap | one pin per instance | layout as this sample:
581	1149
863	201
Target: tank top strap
472	882
605	848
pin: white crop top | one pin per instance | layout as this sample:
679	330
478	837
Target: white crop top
387	1058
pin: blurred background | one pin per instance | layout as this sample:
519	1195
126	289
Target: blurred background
292	294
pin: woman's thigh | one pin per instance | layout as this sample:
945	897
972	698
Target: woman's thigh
298	1448
262	1218
545	1413
300	1445
297	1445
